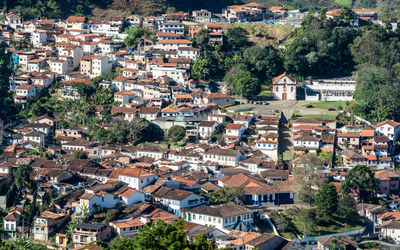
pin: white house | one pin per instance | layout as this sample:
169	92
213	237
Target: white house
391	230
11	222
124	97
224	157
174	200
308	141
234	132
129	196
35	136
137	178
388	128
24	92
284	87
92	200
225	216
14	20
206	129
176	28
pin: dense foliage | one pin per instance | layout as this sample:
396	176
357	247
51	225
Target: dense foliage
361	180
161	236
176	133
326	200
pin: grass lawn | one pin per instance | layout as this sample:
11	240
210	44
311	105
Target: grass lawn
243	108
322	116
327	105
345	3
337	225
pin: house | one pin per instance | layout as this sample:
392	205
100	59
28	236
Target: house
130	226
388	182
227	216
24	93
268	144
124	97
75	22
87	233
11	221
129	196
388	128
218	99
349	140
14	20
284	87
234	132
308	141
92	200
391	230
35	136
137	178
202	16
206	129
46	224
346	241
95	65
224	157
174	200
351	159
152	151
173	27
258	191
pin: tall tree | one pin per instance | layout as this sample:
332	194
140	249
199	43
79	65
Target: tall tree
361	180
326	200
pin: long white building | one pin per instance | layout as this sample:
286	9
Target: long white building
334	89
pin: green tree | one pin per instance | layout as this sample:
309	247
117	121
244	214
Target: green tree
22	176
237	38
202	38
264	63
306	218
245	84
203	68
326	200
176	133
78	154
227	194
361	180
201	243
159	236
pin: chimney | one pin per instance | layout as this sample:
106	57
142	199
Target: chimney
145	219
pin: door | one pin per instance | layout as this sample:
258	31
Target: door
284	96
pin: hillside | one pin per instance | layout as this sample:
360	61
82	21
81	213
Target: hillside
62	8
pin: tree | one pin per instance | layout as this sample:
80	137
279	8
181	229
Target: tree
361	180
245	84
159	236
202	39
237	37
264	63
227	194
306	177
203	68
306	217
326	200
78	154
201	243
22	176
176	133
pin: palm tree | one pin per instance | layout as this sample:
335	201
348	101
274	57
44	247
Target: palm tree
71	227
84	212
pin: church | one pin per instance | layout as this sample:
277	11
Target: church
284	87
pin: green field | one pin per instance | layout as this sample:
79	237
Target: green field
326	105
345	3
337	225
